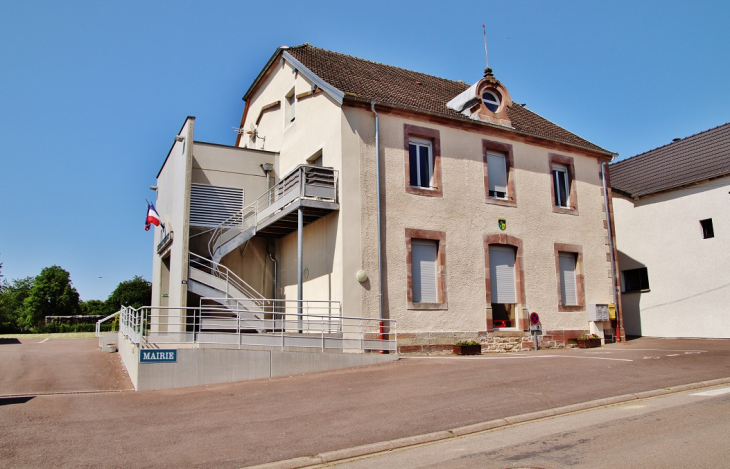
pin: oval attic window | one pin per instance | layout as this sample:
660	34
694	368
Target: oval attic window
491	100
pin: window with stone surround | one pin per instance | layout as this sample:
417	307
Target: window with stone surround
422	161
504	282
499	173
569	277
426	269
562	184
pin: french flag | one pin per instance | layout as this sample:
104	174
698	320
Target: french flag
153	218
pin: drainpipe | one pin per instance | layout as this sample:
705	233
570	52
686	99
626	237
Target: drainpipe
273	259
619	322
380	240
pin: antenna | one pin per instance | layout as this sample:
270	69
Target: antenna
486	55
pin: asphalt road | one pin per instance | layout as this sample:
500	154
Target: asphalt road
255	422
688	429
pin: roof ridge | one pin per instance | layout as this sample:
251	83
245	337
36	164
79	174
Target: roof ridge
669	144
306	44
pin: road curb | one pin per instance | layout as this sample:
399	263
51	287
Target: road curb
389	445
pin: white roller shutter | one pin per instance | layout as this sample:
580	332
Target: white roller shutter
568	286
212	205
502	274
497	172
424	268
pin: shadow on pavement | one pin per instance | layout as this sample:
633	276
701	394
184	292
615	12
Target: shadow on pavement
15	400
12	340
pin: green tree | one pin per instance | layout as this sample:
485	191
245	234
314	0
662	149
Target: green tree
12	296
98	307
52	295
136	292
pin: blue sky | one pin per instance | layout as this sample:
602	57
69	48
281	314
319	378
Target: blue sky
92	93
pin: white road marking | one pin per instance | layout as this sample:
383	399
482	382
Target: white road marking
650	358
516	357
627	349
44	340
673	355
715	392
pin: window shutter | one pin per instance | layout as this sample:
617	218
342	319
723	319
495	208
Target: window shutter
502	274
497	172
568	286
424	268
212	205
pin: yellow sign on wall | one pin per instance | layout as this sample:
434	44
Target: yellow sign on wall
612	311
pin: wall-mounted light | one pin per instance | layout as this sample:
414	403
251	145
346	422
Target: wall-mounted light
362	276
179	138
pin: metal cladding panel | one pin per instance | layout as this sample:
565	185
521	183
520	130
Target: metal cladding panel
212	205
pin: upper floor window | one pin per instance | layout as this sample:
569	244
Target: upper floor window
290	107
497	175
561	186
420	162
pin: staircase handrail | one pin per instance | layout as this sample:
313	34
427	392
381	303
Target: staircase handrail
224	273
292	181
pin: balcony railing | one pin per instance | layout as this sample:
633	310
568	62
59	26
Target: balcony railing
304	182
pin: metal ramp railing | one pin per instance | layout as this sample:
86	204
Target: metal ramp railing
321	325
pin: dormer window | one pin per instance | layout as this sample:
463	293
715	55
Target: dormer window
490	100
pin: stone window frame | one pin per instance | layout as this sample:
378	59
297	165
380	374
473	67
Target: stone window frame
579	276
509	159
434	136
502	239
569	163
440	237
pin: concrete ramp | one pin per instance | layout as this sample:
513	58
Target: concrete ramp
209	365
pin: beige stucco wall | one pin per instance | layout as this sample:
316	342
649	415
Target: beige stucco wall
342	243
220	165
688	275
319	127
172	203
465	218
236	167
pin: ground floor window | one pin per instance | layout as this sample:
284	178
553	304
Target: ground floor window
424	254
426	268
569	272
635	280
503	288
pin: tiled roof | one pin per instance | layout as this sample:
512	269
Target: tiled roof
702	156
371	81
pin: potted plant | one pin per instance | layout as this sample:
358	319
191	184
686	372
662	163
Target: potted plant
589	341
468	347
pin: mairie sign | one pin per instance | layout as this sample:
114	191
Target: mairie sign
158	356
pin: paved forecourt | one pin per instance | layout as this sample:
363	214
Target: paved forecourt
256	422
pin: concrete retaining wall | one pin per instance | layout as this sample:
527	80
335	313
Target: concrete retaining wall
197	366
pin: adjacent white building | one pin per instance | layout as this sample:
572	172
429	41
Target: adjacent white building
672	218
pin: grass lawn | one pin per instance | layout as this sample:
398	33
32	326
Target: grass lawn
59	335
